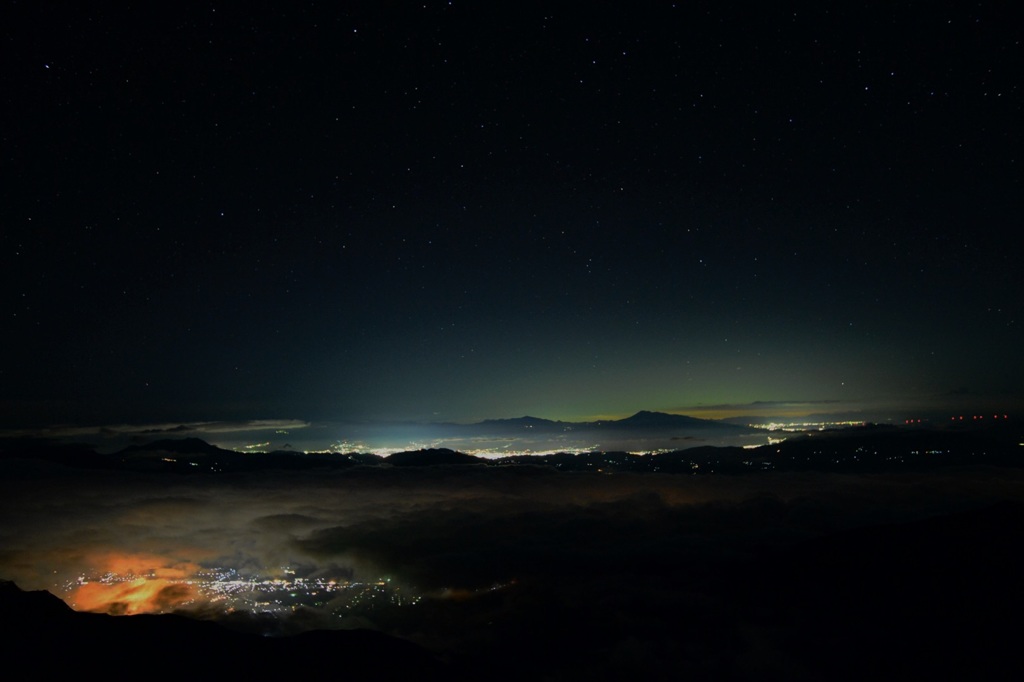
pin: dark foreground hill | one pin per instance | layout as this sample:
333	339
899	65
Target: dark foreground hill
44	639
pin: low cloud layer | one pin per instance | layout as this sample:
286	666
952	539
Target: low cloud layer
463	527
482	548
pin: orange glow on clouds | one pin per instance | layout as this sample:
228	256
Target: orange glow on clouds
132	597
135	583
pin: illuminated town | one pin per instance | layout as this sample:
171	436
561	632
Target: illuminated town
231	592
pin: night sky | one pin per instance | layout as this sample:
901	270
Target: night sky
452	211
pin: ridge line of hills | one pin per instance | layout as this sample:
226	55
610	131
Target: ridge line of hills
644	419
183	645
870	448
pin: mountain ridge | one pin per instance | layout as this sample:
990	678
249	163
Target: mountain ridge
640	419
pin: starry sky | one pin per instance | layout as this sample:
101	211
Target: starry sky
452	211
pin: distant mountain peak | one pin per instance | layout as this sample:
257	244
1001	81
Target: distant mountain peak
526	419
177	445
649	418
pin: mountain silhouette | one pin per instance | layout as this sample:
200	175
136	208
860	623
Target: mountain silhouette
661	420
179	446
431	457
40	633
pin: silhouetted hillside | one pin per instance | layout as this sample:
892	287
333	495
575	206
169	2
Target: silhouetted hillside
42	635
520	423
645	420
431	457
178	446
